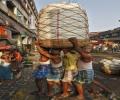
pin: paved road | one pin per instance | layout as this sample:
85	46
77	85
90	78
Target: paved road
9	88
110	81
20	90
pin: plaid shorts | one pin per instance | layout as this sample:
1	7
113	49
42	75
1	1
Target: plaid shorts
69	75
56	74
84	76
42	71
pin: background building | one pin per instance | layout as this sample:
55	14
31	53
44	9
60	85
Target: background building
110	35
19	17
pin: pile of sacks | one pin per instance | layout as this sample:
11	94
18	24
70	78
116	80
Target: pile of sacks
110	65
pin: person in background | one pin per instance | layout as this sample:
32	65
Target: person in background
18	56
43	70
5	69
85	68
16	63
0	58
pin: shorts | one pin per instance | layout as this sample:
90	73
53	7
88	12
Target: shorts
56	74
42	71
84	76
68	76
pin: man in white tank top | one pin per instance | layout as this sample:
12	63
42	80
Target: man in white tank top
43	70
56	72
85	69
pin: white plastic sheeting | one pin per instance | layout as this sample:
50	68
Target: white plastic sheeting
110	62
62	21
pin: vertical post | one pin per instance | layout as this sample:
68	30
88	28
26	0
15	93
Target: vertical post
58	33
58	24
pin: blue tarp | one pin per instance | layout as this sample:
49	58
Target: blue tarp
5	73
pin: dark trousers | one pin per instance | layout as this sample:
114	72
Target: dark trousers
42	85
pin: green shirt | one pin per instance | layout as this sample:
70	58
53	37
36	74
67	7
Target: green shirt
70	60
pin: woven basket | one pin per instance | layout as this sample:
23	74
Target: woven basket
62	43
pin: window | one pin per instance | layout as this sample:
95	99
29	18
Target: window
26	5
101	37
19	16
10	5
3	1
107	36
29	11
31	2
115	34
25	21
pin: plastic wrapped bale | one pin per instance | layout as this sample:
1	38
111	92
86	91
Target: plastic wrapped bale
58	22
116	61
105	65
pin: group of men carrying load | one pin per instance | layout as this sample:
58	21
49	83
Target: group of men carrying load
74	67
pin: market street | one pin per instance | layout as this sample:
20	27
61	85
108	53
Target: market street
21	89
59	50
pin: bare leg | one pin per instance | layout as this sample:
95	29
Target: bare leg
65	88
50	85
80	91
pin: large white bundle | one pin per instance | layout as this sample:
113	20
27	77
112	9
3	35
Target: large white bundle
62	21
106	62
116	61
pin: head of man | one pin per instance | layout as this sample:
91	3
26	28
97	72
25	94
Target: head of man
87	48
55	52
66	50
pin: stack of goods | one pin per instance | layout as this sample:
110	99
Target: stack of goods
110	66
58	22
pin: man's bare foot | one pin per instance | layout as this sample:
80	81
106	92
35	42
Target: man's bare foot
80	98
64	95
50	94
